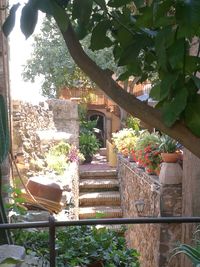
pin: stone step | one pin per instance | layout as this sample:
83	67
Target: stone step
98	184
99	212
111	198
98	174
11	251
114	227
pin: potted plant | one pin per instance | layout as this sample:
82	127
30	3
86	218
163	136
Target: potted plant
88	145
125	141
152	159
168	148
145	143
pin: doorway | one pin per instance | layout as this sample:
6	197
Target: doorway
100	127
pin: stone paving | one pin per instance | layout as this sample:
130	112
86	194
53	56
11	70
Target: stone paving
98	163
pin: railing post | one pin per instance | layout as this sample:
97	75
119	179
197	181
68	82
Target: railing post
52	233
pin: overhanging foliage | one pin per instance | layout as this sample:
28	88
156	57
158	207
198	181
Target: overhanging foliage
148	38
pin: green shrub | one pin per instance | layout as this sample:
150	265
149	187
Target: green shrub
88	144
80	246
133	123
168	144
190	251
60	155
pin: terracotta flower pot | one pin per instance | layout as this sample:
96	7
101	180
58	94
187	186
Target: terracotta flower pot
170	157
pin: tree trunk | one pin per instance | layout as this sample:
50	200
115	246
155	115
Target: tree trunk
190	197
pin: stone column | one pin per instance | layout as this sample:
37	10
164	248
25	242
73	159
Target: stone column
170	205
191	198
65	117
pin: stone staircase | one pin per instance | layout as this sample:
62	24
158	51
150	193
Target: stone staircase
99	195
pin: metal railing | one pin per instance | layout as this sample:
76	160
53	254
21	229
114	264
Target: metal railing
52	224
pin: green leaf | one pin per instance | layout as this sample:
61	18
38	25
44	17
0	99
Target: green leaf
82	10
10	20
145	19
101	3
124	37
171	111
99	38
118	3
124	76
167	85
192	64
196	81
192	115
60	16
139	3
164	39
45	6
155	92
175	54
161	13
135	69
28	20
187	17
131	53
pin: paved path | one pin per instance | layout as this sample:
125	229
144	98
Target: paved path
98	163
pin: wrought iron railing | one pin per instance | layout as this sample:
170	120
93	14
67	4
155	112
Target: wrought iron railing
52	224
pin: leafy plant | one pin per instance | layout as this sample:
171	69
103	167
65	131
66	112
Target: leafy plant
147	139
147	38
133	123
125	140
88	144
168	144
82	246
60	149
87	126
15	200
190	251
61	155
147	152
55	63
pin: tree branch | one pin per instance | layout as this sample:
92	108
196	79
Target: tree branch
125	100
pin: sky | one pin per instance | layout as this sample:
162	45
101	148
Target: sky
20	51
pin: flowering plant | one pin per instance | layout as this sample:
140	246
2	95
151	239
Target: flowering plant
149	158
152	159
125	140
74	155
147	153
60	155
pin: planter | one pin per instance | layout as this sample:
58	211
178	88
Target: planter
88	159
43	187
170	157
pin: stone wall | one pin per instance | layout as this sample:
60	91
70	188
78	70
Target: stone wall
153	241
36	128
27	120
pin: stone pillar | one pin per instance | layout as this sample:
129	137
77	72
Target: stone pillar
170	205
65	117
191	198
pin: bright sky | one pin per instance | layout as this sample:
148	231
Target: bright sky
20	51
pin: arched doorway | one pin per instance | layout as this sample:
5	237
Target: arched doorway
100	127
